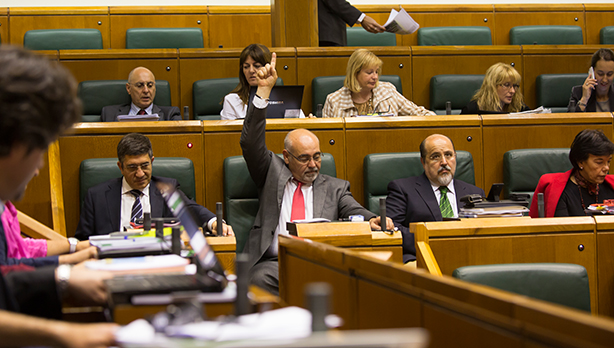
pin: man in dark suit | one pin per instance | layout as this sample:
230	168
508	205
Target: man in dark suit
332	17
290	188
142	89
114	204
419	198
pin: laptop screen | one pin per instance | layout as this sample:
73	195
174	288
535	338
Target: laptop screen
284	101
205	256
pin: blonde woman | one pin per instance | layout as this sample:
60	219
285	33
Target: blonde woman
363	94
499	94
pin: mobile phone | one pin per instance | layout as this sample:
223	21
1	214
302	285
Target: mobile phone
591	73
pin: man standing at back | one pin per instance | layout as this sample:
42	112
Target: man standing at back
432	196
141	87
290	188
332	17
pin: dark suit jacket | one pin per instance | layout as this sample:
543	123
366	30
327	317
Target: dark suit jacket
332	17
413	200
101	211
31	292
166	113
331	196
591	105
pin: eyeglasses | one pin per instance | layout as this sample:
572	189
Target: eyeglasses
141	85
508	85
134	167
437	156
304	159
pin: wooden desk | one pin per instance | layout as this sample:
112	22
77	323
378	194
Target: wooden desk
605	264
225	249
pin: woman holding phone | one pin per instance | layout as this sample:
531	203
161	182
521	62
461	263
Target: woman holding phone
595	94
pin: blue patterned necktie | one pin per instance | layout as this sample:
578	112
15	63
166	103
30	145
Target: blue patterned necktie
444	203
137	208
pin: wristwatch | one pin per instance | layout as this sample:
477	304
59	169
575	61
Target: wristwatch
73	244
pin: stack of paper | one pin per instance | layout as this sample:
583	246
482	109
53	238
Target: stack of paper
400	22
502	211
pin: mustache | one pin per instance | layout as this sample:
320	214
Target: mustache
442	168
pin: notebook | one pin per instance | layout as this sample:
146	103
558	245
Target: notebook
284	101
209	277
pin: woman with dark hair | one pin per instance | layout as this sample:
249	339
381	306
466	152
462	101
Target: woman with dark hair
588	182
596	94
499	94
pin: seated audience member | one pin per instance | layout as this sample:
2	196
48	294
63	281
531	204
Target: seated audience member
142	89
15	249
363	94
432	196
290	188
38	101
115	204
588	182
596	94
499	94
252	58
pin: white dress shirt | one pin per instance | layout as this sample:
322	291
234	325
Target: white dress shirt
135	109
127	202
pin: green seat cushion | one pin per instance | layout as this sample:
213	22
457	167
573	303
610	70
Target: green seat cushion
454	36
553	90
62	39
357	36
164	38
457	89
606	35
546	35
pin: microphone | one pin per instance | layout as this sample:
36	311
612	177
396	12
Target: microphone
220	221
382	213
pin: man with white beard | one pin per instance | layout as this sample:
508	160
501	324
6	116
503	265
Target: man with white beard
432	196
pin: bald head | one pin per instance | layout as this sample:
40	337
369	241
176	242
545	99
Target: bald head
438	158
302	155
141	86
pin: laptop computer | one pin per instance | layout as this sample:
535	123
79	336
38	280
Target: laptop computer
209	277
284	101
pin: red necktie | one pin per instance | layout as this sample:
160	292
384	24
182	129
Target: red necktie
298	204
141	112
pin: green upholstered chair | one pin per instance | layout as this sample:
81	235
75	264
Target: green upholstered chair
164	38
553	90
62	39
522	168
97	94
357	36
241	194
381	168
208	96
322	86
606	35
546	35
454	36
561	283
457	89
94	171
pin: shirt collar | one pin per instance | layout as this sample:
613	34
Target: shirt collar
136	109
436	187
126	188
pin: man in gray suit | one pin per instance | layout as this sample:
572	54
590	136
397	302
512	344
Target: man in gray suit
290	188
142	89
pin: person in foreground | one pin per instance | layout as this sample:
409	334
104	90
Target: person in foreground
500	92
115	204
588	182
38	101
290	188
432	196
142	89
595	94
363	94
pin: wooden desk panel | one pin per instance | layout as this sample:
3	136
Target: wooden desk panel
404	134
239	30
214	63
509	16
169	141
221	140
314	62
429	61
502	133
597	16
543	59
4	26
605	264
36	201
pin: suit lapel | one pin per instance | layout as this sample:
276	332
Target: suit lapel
114	194
319	195
284	176
424	189
460	192
156	110
124	110
156	201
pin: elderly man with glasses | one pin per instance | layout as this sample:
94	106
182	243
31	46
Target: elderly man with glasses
290	188
141	87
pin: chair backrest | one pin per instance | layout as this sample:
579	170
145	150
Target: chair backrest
98	170
96	94
381	168
208	96
241	195
553	90
164	38
546	35
357	36
62	39
457	89
322	86
606	35
522	168
456	36
562	283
